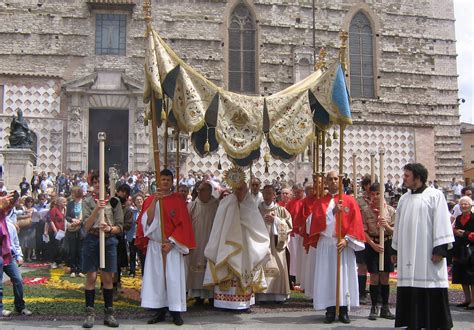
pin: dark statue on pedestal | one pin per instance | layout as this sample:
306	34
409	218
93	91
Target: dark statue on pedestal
20	134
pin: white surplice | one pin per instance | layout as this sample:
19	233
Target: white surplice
324	294
155	294
422	223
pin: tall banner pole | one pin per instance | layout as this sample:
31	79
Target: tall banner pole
154	133
101	137
354	174
316	162
339	217
178	163
381	207
323	161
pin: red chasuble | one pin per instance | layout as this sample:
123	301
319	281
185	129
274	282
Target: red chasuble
177	223
294	207
351	219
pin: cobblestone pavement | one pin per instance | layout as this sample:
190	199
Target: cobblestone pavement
256	320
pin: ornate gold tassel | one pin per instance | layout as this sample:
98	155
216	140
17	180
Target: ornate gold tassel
207	146
328	141
163	115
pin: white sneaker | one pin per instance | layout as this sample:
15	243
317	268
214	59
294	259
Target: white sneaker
54	265
81	275
72	275
26	312
6	313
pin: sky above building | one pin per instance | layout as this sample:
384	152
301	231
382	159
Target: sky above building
464	13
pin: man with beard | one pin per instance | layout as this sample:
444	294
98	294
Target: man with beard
278	223
422	236
202	212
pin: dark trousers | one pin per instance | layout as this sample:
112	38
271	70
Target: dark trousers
133	256
13	272
40	249
74	257
54	249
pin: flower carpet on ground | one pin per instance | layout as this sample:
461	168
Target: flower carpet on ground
53	294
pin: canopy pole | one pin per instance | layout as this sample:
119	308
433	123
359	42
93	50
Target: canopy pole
354	174
339	217
166	135
323	161
154	133
178	163
342	57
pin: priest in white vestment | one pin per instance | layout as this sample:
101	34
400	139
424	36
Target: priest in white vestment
279	225
202	212
323	235
171	236
421	238
237	249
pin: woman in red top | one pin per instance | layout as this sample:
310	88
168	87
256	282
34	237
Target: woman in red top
463	270
55	229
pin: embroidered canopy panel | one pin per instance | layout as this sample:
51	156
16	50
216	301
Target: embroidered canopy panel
239	123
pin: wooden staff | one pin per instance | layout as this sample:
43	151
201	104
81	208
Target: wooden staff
354	174
372	167
381	207
316	162
323	160
154	134
156	157
166	135
178	147
101	137
339	217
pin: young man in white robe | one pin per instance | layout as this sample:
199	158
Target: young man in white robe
323	235
169	230
238	248
202	211
421	238
279	225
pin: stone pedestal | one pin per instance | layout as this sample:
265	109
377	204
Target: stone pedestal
17	163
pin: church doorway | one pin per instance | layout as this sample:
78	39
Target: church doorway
115	125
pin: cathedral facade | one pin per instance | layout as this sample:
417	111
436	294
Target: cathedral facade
75	68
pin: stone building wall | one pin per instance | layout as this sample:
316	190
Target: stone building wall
415	56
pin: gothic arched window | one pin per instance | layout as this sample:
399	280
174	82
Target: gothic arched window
361	57
242	50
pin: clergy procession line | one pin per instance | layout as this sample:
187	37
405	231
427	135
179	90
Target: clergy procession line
254	246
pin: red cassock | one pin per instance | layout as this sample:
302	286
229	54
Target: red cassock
294	206
177	222
351	219
305	210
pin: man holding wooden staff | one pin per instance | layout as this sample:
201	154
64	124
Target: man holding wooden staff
373	223
323	235
112	225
